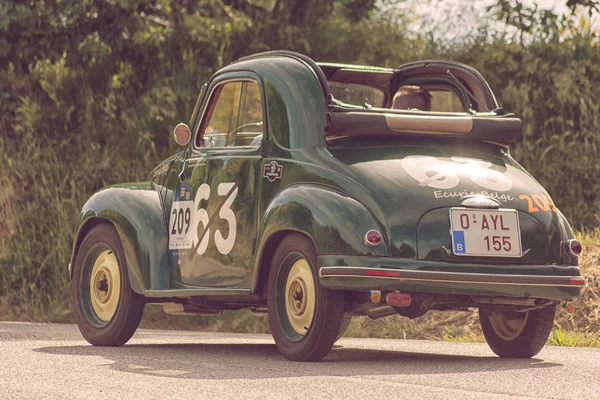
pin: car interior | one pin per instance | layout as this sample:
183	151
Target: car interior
446	90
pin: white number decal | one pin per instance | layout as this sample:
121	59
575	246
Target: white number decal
442	174
225	245
201	217
429	171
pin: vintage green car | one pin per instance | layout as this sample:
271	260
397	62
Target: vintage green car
317	192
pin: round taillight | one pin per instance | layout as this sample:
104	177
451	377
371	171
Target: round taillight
372	238
574	247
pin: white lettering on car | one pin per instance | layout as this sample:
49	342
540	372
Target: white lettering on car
444	174
225	245
191	223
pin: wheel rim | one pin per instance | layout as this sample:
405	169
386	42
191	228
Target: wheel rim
300	297
105	285
508	325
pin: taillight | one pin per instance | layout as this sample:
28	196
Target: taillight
574	247
372	238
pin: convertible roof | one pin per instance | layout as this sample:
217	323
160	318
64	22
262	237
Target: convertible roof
298	78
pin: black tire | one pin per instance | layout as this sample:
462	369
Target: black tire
345	324
288	306
517	334
116	324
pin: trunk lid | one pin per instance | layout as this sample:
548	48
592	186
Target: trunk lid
416	183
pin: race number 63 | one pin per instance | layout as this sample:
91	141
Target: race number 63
223	244
189	222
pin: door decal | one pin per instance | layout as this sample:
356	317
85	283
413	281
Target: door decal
273	171
180	223
189	224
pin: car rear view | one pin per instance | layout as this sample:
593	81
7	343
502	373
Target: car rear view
464	225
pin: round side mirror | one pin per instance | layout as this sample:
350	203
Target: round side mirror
182	134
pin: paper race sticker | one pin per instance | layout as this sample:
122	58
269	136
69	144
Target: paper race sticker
181	218
180	223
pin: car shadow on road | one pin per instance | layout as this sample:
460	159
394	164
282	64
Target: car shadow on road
263	361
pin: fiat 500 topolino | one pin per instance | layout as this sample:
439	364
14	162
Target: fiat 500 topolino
316	192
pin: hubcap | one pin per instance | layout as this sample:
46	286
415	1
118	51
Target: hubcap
508	325
105	285
300	297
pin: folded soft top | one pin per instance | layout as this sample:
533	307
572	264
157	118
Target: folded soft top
487	127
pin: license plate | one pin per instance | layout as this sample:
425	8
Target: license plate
487	233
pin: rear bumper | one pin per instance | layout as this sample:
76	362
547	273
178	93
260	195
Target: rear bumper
557	287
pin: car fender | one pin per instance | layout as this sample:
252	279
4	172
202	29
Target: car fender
335	222
135	211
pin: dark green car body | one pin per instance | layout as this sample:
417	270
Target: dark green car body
307	176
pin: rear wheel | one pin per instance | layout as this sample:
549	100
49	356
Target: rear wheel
517	334
304	317
345	324
106	309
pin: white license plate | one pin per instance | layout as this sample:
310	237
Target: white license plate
487	233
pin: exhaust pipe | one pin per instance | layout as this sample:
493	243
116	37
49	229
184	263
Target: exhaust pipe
380	312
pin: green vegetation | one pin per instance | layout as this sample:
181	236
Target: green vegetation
90	91
572	339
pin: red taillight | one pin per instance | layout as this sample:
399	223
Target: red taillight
574	247
398	299
372	238
577	282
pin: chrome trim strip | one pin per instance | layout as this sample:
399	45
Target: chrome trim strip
452	277
195	292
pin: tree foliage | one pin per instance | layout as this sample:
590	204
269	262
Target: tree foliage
90	90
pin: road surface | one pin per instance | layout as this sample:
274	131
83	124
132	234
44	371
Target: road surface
52	361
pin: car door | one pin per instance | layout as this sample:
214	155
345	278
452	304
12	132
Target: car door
213	214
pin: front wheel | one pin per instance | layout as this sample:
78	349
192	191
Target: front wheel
304	317
517	334
106	309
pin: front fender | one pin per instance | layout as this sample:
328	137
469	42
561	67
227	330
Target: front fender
335	222
135	211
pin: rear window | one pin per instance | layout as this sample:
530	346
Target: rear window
356	94
427	97
446	101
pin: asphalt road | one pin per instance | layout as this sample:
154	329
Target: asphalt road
53	362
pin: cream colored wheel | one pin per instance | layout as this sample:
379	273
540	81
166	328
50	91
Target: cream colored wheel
105	285
300	297
517	334
304	317
508	326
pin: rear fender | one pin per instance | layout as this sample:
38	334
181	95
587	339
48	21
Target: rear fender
136	213
335	222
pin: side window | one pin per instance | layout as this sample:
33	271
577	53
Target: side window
235	116
223	115
250	127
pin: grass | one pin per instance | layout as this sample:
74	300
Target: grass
558	337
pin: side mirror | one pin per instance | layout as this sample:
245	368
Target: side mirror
182	134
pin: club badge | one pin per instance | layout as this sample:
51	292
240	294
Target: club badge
273	171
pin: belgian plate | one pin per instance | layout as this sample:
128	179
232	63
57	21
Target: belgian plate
486	233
